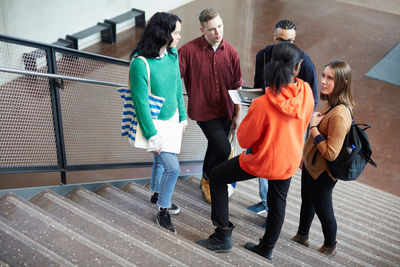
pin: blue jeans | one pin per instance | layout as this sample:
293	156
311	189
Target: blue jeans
164	175
263	191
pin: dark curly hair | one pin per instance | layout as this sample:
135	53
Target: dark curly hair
157	33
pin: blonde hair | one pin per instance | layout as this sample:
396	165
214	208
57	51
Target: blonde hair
207	15
342	92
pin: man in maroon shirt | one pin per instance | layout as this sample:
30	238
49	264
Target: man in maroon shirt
210	66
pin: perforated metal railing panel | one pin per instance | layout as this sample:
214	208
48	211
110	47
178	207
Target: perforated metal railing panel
23	57
26	121
91	117
94	69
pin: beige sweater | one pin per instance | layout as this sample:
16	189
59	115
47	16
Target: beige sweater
334	127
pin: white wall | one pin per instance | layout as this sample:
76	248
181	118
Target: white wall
48	20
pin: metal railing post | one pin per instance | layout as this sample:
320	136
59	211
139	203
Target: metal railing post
57	119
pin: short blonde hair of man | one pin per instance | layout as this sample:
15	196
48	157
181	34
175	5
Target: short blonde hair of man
207	15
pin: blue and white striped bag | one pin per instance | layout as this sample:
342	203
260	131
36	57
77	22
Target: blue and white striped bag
129	120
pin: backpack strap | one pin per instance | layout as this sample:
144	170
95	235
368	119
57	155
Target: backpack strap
365	125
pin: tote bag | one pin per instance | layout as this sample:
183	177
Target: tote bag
129	123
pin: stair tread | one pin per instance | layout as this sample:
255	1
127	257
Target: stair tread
128	221
117	227
18	249
130	246
244	197
55	234
187	226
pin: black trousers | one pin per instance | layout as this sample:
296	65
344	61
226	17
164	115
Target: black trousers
218	147
228	172
316	197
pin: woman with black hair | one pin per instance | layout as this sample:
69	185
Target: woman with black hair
158	46
272	132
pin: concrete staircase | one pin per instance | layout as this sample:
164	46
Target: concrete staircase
111	226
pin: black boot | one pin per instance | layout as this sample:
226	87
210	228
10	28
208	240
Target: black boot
261	249
220	241
164	219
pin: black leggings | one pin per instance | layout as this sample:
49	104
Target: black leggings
228	172
316	197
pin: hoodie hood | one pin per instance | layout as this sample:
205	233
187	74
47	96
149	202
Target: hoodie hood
291	99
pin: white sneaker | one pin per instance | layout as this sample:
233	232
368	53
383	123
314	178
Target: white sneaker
174	209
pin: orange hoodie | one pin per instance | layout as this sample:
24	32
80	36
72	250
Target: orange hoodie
274	128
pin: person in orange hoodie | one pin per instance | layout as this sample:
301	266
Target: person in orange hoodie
272	134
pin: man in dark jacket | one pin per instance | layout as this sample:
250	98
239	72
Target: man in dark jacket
285	31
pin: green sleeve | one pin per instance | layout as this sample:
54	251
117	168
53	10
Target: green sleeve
179	96
139	92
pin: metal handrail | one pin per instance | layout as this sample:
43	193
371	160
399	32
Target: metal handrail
42	45
63	77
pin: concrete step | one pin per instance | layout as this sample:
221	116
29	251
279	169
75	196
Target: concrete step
55	234
19	250
247	229
136	221
129	246
354	249
183	226
359	252
193	226
116	227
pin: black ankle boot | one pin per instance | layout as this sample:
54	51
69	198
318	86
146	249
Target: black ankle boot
220	241
261	249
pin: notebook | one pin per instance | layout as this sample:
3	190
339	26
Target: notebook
247	95
170	132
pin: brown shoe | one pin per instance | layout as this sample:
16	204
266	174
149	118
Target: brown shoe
328	251
301	239
205	187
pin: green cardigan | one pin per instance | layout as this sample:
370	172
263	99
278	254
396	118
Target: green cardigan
165	80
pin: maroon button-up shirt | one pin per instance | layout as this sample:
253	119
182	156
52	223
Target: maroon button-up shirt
208	76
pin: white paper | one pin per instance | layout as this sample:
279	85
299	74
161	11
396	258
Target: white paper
235	97
170	132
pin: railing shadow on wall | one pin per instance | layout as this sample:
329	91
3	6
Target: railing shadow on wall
60	111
